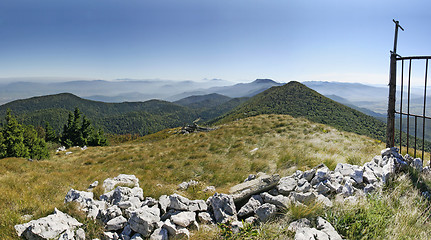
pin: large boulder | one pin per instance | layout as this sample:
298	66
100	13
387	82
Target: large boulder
144	220
123	179
286	185
223	207
261	184
49	227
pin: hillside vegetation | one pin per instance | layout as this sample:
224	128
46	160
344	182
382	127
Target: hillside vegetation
117	118
222	158
120	118
297	100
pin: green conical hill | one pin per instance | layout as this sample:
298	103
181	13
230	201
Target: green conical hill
297	100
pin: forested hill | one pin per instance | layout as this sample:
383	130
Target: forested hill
297	100
118	118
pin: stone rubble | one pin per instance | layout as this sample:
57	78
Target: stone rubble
128	215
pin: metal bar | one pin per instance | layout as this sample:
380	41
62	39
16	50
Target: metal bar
416	133
423	114
390	126
401	104
414	57
408	106
412	115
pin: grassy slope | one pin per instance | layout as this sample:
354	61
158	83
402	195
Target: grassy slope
221	158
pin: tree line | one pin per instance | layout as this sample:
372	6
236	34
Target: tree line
26	141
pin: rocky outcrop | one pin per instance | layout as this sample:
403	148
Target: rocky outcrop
55	226
127	214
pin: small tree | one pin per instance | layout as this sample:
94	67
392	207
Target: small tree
80	133
50	135
35	144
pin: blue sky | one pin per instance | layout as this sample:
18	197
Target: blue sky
234	40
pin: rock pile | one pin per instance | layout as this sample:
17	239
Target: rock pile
194	128
127	214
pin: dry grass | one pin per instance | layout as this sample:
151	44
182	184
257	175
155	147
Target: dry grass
162	160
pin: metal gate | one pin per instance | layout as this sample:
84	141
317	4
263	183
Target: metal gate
404	115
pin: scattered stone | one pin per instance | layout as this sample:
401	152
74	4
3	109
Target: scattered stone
307	233
417	164
266	212
184	219
327	228
251	220
305	198
210	189
286	185
186	185
324	200
301	223
250	177
250	207
61	149
123	180
205	218
223	207
144	219
93	185
181	203
159	234
282	202
254	150
321	188
116	223
236	226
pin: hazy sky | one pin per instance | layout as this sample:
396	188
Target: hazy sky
235	40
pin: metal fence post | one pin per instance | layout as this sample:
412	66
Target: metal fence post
390	127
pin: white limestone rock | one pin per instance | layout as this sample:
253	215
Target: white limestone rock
223	207
49	227
250	207
282	202
184	219
266	212
286	185
122	179
116	223
144	220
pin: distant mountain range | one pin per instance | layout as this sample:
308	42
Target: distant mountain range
133	90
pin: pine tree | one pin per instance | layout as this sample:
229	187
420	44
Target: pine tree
81	133
86	130
50	135
13	135
35	144
66	137
2	146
